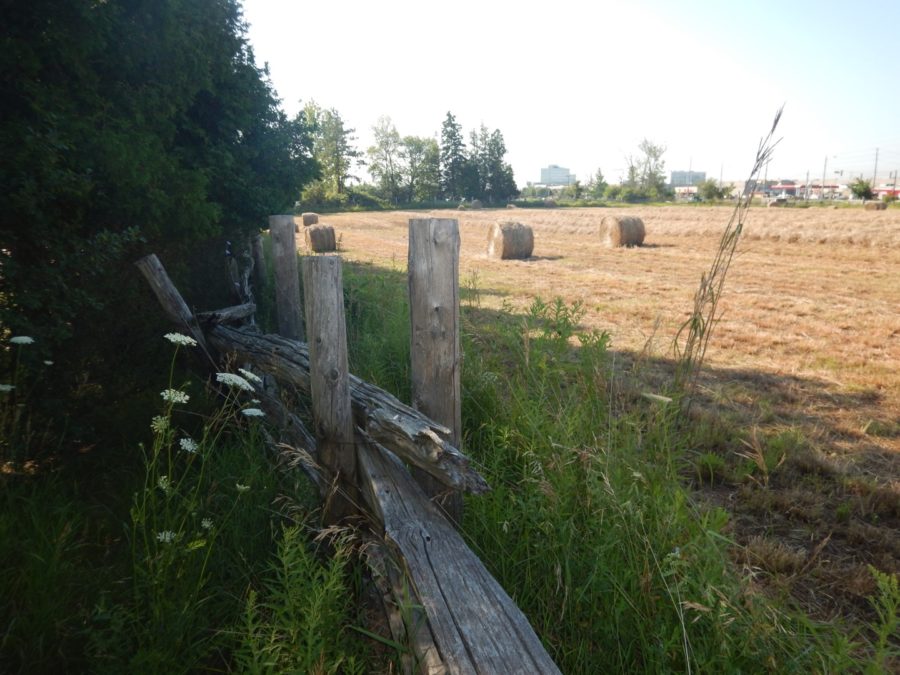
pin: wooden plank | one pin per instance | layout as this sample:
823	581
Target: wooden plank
287	278
237	314
260	273
475	625
410	434
434	338
329	380
172	303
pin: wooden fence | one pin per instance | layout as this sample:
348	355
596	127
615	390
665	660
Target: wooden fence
441	600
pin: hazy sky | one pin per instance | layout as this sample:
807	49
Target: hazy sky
579	84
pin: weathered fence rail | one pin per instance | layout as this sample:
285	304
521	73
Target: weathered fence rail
462	619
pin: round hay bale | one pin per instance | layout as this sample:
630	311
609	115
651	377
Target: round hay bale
550	203
618	231
463	206
510	241
476	204
511	206
310	219
320	238
875	206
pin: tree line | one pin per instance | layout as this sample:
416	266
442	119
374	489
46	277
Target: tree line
405	169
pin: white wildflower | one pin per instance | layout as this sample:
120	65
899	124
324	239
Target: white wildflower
159	424
21	340
241	488
164	484
206	523
253	412
188	445
253	377
233	380
254	401
6	387
166	536
181	340
174	396
48	363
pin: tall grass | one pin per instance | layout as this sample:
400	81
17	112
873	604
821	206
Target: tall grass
588	525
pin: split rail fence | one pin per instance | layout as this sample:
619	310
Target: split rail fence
440	598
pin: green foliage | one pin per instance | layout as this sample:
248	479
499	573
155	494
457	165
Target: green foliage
596	188
887	607
128	127
385	159
710	190
861	189
333	147
297	622
452	159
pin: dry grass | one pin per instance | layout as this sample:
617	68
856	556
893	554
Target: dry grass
802	374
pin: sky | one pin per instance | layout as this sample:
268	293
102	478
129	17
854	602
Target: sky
581	83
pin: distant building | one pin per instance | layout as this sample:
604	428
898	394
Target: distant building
556	175
685	178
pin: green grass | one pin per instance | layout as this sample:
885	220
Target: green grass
589	525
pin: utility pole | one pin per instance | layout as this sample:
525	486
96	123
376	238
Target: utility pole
806	185
875	174
824	170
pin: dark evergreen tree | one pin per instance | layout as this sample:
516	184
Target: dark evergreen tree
452	159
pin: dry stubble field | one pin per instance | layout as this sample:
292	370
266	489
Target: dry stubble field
805	362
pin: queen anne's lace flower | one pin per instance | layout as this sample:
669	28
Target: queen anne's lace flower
174	396
181	340
164	484
166	536
241	488
252	377
6	387
159	424
235	381
206	523
253	412
21	340
188	445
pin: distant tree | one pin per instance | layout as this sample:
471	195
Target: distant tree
421	169
491	178
710	190
861	189
597	186
452	159
651	177
333	145
386	159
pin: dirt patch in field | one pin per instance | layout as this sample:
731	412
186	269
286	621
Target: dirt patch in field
803	382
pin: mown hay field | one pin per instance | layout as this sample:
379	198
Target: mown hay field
804	366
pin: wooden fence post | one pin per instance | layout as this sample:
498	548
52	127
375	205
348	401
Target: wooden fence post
434	323
287	279
323	289
260	273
